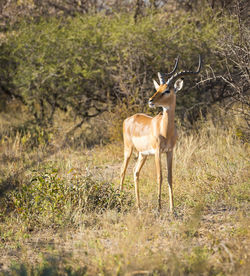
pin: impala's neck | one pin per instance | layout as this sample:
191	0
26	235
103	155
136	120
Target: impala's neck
167	123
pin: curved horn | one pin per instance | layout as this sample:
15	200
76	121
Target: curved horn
161	76
175	67
184	73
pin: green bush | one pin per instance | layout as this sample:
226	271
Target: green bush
84	64
48	266
55	200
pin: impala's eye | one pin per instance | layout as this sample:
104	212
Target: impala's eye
166	92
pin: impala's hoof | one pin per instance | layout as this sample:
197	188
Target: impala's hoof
173	213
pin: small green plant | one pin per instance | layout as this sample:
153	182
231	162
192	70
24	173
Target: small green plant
197	261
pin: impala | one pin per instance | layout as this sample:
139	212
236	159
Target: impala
155	135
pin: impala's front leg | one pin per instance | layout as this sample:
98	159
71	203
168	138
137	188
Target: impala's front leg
127	155
170	188
140	162
159	175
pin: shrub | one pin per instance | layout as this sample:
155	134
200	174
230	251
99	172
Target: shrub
54	200
86	63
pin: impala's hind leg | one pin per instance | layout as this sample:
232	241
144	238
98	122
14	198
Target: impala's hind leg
170	187
127	155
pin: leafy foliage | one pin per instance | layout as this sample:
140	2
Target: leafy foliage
48	266
51	200
84	64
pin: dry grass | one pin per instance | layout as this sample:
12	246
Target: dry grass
208	236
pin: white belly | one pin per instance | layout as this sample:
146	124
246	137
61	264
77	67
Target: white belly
148	152
141	143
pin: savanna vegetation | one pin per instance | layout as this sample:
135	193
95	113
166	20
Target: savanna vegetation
70	72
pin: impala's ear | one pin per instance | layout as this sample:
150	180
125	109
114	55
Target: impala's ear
178	85
156	85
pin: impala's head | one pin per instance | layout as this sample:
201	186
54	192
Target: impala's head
165	93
